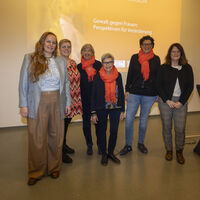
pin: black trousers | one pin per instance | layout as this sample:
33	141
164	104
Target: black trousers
87	127
66	124
114	116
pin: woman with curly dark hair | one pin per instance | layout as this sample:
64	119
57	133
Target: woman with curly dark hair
140	92
174	85
44	99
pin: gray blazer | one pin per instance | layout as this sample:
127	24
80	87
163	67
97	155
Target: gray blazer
29	92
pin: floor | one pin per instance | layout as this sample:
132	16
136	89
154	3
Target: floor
138	176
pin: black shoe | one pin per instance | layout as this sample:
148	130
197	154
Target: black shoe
66	158
104	160
89	151
67	149
114	158
125	150
142	148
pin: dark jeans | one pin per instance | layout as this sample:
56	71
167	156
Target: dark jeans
114	116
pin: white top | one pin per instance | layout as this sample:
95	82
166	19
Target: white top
50	80
177	89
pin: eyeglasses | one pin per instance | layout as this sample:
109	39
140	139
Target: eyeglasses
107	63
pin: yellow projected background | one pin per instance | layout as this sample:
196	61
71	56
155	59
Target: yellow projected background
113	26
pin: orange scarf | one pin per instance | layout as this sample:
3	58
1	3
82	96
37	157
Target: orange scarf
144	61
87	66
110	84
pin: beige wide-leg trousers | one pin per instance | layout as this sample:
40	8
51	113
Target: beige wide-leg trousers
45	137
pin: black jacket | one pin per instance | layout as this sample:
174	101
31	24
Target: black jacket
85	85
135	83
98	93
166	81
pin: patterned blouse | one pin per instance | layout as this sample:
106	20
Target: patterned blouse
110	105
74	77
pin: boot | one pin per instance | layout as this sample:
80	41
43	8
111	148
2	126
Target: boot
179	157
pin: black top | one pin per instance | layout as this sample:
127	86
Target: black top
85	85
135	83
98	93
166	81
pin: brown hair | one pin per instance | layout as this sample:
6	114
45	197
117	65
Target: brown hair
182	61
39	63
64	41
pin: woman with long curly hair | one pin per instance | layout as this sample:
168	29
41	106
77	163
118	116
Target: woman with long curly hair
44	98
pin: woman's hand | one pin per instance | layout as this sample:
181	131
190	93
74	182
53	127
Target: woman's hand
122	116
67	110
126	95
24	111
94	118
157	99
171	104
178	104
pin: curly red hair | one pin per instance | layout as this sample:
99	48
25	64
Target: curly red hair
39	63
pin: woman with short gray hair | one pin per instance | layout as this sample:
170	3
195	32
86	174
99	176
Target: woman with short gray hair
107	100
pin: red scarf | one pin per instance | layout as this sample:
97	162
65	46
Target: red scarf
144	61
110	84
87	66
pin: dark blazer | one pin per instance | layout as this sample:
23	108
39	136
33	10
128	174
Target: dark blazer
166	81
85	85
135	83
98	93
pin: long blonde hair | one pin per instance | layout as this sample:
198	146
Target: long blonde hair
39	63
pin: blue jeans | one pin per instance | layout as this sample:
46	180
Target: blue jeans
133	103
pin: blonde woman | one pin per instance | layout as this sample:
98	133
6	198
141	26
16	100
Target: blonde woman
65	48
88	67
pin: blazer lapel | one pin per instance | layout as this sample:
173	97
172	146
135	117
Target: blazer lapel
62	74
